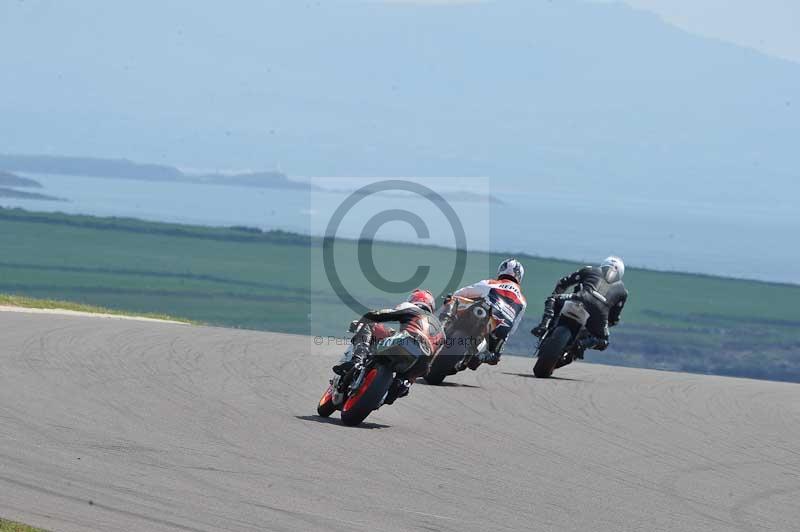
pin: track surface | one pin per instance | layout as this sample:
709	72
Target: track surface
167	427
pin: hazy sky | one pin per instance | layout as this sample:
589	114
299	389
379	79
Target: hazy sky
771	26
569	88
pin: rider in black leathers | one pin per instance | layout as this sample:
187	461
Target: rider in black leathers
603	295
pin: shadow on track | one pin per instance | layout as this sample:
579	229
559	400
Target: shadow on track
446	384
532	376
336	421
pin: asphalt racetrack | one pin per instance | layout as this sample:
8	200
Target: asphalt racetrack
110	425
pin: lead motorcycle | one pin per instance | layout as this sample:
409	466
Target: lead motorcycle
466	323
366	386
562	343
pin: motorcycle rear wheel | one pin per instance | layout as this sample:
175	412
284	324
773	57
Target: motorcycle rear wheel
444	364
441	367
550	352
368	397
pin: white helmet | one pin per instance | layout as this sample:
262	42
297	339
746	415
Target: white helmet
511	268
613	269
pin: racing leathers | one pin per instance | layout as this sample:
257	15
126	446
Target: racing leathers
421	336
508	305
603	300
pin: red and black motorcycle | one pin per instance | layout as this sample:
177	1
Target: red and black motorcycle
466	323
366	386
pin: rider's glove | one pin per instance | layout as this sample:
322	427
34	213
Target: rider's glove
353	326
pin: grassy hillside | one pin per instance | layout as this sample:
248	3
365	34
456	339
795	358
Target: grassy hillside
274	281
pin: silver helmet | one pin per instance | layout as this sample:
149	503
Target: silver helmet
511	268
613	269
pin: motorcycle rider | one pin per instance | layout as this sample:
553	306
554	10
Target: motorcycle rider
603	294
423	332
505	295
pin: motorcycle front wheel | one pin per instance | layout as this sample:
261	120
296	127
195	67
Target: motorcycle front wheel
325	407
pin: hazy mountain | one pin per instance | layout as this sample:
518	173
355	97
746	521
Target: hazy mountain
89	166
125	169
7	179
519	89
20	194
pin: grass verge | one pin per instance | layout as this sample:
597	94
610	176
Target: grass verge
53	304
10	526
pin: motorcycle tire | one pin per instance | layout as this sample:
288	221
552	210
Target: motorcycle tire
444	363
368	397
441	367
325	407
551	351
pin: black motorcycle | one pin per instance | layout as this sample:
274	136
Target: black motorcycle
466	323
562	343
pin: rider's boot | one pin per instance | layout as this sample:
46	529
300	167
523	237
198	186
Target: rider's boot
358	352
547	317
474	362
360	349
589	342
487	357
399	388
540	329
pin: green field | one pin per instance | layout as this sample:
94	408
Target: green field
240	277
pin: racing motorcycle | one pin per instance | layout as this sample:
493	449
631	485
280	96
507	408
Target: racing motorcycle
466	323
367	385
562	342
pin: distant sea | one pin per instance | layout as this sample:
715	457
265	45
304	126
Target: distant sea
746	241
